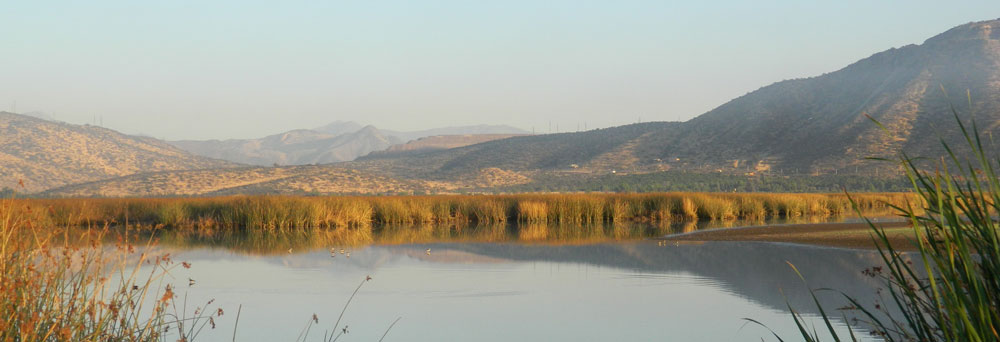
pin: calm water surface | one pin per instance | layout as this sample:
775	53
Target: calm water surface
629	290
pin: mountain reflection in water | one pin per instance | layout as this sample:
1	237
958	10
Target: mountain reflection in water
498	283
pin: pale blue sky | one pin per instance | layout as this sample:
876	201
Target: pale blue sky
223	69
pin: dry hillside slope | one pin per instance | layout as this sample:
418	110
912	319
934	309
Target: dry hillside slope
598	151
816	125
46	154
292	180
819	124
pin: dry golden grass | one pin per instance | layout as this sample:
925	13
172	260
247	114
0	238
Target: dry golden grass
532	211
69	285
291	212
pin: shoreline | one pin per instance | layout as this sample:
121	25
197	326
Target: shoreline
842	235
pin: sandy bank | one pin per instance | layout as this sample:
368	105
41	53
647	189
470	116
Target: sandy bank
848	235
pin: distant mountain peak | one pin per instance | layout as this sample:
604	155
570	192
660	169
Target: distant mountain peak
339	127
369	129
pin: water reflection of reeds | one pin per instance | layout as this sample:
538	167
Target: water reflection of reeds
273	241
269	242
301	240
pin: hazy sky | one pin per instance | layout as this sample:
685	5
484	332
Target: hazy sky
229	69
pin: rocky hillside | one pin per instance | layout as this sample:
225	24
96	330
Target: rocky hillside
45	154
819	124
816	125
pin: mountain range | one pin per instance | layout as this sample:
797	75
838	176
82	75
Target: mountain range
336	142
822	124
297	147
816	125
819	125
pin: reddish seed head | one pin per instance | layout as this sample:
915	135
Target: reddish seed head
167	296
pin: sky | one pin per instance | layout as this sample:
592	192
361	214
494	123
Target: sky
241	69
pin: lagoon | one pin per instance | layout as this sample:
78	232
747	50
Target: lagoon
630	289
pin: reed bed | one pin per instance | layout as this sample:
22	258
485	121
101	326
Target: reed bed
950	289
285	212
66	285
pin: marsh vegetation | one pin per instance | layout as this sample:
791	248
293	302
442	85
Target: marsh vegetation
282	212
87	285
949	290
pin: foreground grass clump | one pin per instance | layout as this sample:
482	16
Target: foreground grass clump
58	286
283	212
950	290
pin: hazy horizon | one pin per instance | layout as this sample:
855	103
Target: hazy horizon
185	70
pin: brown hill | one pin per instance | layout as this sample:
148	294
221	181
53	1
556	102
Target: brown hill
595	151
819	124
46	154
292	180
815	125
